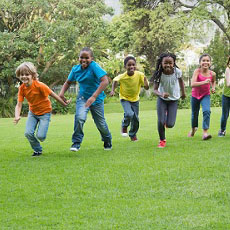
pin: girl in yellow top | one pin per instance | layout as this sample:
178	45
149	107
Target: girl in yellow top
130	85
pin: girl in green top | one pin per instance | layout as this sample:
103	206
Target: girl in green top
225	101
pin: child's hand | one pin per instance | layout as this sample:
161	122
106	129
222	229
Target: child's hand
213	90
183	96
165	95
90	101
63	98
16	120
207	81
68	101
112	93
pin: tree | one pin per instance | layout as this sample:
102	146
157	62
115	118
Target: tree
148	28
50	33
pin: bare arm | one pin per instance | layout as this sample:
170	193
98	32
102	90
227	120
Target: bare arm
227	76
18	109
59	99
114	86
195	83
64	88
146	83
213	83
102	86
155	91
181	83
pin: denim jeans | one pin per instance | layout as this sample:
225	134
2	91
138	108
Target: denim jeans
195	104
97	112
131	112
225	112
166	115
41	123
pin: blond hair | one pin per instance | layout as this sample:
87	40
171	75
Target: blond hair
27	67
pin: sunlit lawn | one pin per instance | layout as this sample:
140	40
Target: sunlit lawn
134	186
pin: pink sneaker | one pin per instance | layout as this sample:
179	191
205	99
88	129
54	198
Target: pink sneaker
162	144
134	138
124	132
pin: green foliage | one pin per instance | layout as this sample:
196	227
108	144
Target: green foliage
219	50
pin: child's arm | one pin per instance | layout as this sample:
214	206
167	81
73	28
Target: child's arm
181	83
63	90
102	86
155	90
146	83
18	109
227	76
114	86
213	83
59	99
195	83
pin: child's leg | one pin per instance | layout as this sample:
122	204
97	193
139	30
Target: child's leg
135	119
97	112
205	102
79	120
161	116
171	113
128	113
31	125
43	126
195	106
225	112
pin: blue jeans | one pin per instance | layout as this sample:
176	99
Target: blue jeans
41	123
225	112
131	112
97	112
195	104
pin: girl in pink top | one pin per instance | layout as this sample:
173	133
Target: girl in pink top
202	78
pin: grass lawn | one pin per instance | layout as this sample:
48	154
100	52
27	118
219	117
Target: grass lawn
134	186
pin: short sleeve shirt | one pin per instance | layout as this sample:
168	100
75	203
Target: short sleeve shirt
170	84
130	86
89	80
37	96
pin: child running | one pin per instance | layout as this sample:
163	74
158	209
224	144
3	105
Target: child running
130	85
40	108
92	81
168	83
225	101
202	78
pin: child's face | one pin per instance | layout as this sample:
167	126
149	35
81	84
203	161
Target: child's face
26	78
85	58
205	62
168	65
130	67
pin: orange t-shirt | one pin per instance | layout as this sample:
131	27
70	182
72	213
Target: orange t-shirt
37	97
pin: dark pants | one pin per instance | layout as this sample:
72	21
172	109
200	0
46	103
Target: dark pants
166	113
225	112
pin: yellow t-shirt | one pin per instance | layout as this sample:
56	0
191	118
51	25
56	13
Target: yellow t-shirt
130	86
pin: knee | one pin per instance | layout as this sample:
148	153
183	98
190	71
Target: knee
129	115
29	135
170	125
41	137
207	113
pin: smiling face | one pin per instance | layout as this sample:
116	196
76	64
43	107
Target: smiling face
168	65
205	62
26	78
130	67
85	59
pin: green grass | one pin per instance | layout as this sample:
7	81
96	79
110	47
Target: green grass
134	186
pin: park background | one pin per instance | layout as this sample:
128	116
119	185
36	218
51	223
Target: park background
135	185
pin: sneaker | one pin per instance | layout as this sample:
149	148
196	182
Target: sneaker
107	145
206	137
36	154
134	138
162	144
124	132
75	147
221	133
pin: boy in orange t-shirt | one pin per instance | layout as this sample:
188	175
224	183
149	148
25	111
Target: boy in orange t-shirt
40	107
